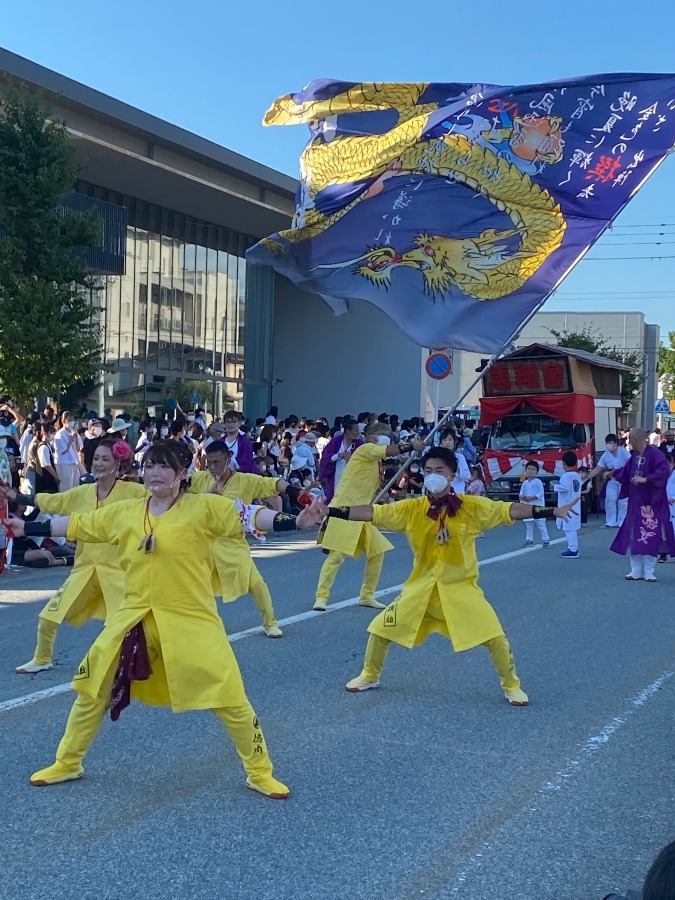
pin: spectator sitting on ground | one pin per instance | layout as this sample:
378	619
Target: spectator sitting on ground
39	552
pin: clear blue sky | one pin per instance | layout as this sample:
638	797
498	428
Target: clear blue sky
214	68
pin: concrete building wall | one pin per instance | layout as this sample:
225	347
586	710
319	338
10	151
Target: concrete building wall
330	365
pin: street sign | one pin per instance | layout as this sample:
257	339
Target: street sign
662	406
171	404
438	366
195	398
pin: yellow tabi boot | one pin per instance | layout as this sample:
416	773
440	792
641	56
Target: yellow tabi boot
269	787
56	774
373	663
244	729
42	658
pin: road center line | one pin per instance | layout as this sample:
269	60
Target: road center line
37	696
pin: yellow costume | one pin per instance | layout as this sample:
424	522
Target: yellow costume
237	574
358	485
442	593
94	587
169	590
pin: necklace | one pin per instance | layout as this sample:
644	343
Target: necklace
103	499
148	541
221	481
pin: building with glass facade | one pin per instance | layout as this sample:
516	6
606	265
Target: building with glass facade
179	320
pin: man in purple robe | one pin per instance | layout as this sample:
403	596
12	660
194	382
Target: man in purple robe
647	529
336	455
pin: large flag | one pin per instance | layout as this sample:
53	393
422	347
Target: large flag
457	208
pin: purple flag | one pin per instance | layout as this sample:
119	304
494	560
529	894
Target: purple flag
457	208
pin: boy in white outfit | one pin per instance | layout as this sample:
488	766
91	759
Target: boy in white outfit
569	489
532	494
613	458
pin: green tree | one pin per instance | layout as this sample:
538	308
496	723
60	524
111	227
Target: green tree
593	342
667	356
49	339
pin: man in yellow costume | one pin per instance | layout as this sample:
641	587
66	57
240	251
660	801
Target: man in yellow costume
94	587
359	484
442	593
237	573
165	644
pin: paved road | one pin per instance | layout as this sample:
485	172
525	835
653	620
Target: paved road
432	787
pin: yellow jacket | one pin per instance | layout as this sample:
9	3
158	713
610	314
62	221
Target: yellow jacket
358	485
232	557
450	568
173	583
94	587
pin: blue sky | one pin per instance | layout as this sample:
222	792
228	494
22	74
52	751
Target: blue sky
214	68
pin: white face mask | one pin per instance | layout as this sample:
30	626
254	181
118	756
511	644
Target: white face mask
3	443
97	430
164	432
611	447
191	418
435	483
383	440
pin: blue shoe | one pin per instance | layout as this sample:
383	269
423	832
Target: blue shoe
570	554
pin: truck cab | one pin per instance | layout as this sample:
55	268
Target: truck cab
528	435
538	403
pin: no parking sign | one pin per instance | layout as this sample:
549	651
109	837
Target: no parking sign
438	366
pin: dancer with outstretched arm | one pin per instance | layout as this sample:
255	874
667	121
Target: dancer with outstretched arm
165	644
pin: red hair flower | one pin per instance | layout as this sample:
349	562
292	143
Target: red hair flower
121	450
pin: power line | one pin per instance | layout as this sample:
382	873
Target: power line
622	258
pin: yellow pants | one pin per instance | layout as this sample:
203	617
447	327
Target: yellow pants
262	597
498	648
330	569
87	714
46	638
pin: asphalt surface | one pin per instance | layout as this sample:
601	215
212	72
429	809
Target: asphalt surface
431	787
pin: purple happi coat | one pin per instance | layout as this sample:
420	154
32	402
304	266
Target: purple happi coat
647	529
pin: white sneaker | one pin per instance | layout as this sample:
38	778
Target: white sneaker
273	631
358	684
30	668
517	697
320	605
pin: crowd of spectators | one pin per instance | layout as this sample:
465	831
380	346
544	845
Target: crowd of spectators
52	450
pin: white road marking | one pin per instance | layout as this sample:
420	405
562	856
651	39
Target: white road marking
37	696
587	750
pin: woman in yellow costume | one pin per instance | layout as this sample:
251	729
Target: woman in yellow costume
442	593
94	587
236	571
359	484
165	644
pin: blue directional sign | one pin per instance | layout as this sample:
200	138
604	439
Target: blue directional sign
662	406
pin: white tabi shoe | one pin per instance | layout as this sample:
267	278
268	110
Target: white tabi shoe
31	668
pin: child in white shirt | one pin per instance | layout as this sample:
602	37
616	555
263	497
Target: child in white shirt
569	489
532	494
